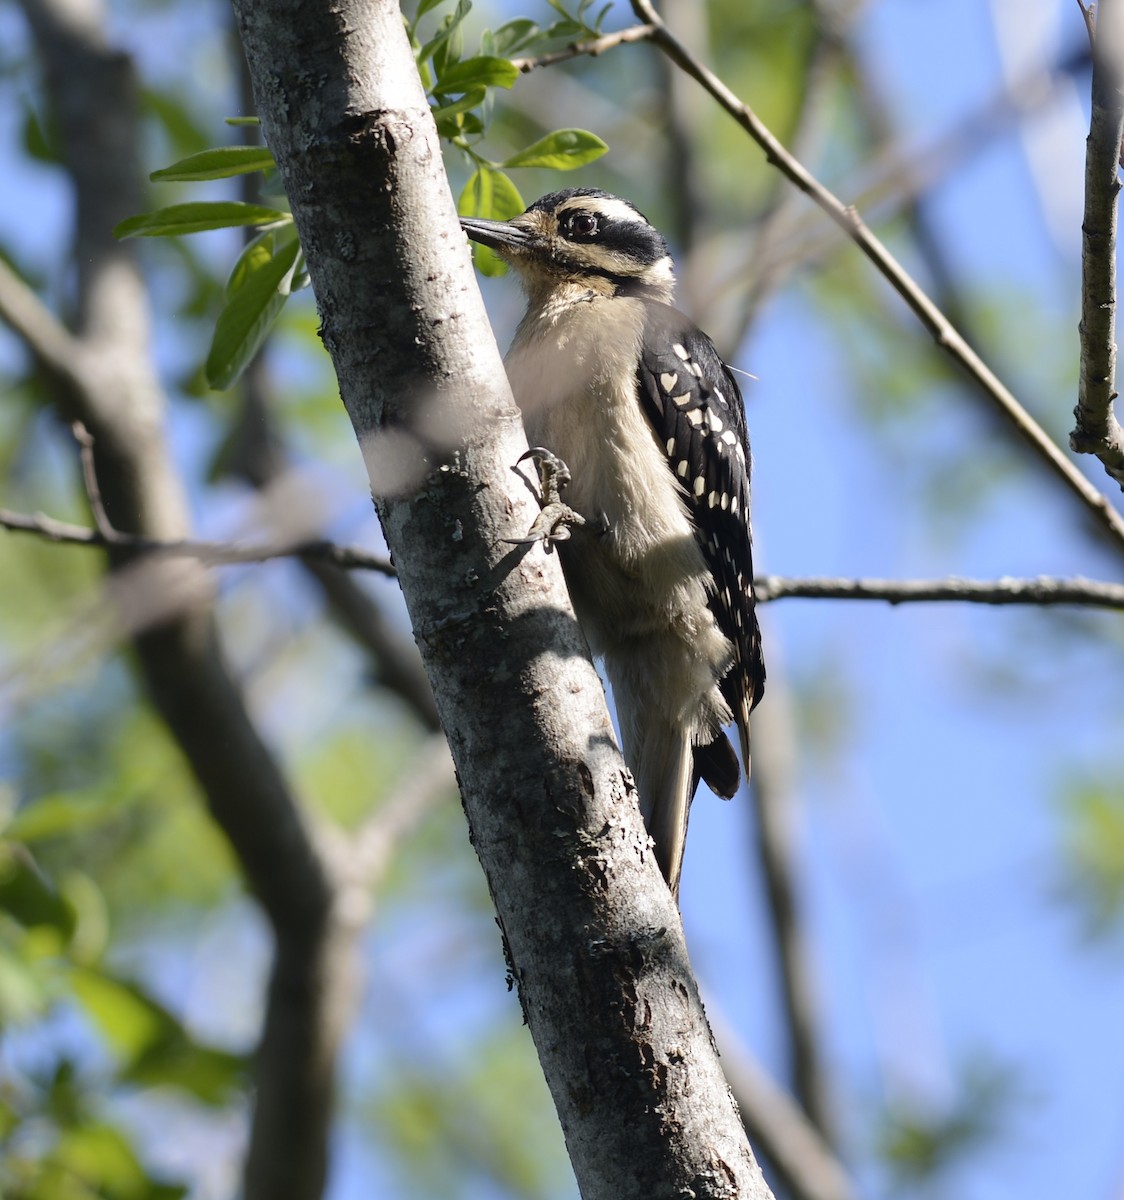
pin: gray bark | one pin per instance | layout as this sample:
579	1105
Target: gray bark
594	940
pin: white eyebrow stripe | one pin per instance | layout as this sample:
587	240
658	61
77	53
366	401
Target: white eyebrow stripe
610	207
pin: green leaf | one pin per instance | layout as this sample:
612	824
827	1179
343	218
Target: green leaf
243	324
151	1044
61	814
36	140
448	28
448	53
465	124
196	217
28	895
242	120
482	71
211	1076
565	29
100	1156
562	150
220	162
130	1021
25	990
599	20
255	255
514	35
490	194
424	6
468	100
184	132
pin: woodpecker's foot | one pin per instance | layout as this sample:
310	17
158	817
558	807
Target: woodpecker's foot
557	519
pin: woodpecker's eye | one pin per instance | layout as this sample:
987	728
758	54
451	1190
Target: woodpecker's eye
581	225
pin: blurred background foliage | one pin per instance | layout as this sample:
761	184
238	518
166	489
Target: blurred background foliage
958	773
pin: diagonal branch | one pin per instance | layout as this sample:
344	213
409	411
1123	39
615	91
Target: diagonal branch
52	345
926	311
1096	429
591	47
776	1124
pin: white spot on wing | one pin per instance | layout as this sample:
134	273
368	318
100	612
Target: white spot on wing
681	350
668	380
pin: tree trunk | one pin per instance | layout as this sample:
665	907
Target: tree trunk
594	940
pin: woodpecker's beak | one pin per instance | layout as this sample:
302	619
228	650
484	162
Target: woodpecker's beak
498	235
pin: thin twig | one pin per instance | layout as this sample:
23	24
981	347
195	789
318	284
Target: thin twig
209	552
591	47
85	440
371	847
1043	591
362	857
1096	429
1090	25
848	219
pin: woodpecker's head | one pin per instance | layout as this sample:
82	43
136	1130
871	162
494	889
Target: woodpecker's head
581	237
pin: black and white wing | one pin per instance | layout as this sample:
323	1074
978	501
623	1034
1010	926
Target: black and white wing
696	410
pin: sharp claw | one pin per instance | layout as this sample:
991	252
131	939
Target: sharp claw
554	475
555	521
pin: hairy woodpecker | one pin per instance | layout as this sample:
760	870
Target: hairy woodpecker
635	400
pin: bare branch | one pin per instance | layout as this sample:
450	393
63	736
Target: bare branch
1096	430
85	440
775	1123
592	46
848	219
778	866
366	854
49	341
1090	23
210	553
1043	591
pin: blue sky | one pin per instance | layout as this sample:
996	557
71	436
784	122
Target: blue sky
930	833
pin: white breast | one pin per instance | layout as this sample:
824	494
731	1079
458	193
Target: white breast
573	373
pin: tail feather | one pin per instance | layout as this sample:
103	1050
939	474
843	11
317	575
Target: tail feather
663	766
716	765
742	714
